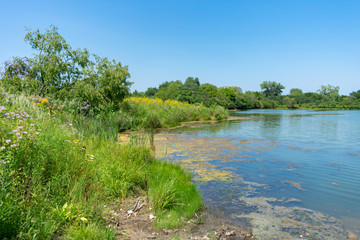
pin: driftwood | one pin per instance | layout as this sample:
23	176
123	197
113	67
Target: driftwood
136	208
117	223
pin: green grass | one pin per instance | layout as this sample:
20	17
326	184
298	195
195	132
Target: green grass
173	196
156	113
55	183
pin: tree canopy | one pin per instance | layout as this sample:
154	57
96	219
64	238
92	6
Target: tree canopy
271	88
58	70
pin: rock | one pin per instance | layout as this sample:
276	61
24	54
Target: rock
151	217
352	236
231	233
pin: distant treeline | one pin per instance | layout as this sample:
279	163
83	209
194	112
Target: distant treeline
192	91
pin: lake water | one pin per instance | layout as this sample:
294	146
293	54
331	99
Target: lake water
287	174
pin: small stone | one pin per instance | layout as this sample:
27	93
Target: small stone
231	233
205	238
352	236
151	217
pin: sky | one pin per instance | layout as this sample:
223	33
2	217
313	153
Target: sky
299	43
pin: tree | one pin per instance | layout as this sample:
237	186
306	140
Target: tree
151	91
18	75
169	90
190	90
61	72
289	102
328	90
209	94
56	64
355	95
271	89
296	92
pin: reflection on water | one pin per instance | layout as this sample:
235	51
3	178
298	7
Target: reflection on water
287	174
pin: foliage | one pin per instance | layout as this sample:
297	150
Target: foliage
55	180
328	90
296	92
156	113
60	72
271	89
173	196
270	97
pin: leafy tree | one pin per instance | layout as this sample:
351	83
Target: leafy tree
151	91
231	94
296	92
271	89
209	94
18	75
355	95
329	91
169	90
290	102
56	64
136	93
251	100
61	72
190	90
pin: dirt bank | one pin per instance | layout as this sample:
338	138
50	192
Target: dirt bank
140	225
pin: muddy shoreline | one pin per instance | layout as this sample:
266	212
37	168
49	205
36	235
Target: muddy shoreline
203	225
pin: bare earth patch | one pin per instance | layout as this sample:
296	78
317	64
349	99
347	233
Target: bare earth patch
139	225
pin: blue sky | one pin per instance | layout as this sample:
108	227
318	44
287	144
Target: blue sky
299	43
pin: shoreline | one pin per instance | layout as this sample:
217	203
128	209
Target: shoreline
203	225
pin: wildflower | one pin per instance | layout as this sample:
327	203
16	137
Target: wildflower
20	127
2	108
7	140
24	132
15	130
10	133
31	124
2	147
17	134
36	133
20	137
13	145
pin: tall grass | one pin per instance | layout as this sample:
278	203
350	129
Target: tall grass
57	171
156	113
174	197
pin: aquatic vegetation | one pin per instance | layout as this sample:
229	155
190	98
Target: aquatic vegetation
282	222
216	162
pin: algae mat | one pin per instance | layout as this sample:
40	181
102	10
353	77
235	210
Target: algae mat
214	161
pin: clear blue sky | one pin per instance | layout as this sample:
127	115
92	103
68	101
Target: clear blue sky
299	43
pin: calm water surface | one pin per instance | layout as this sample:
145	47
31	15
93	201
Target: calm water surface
295	173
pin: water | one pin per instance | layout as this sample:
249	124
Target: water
288	174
